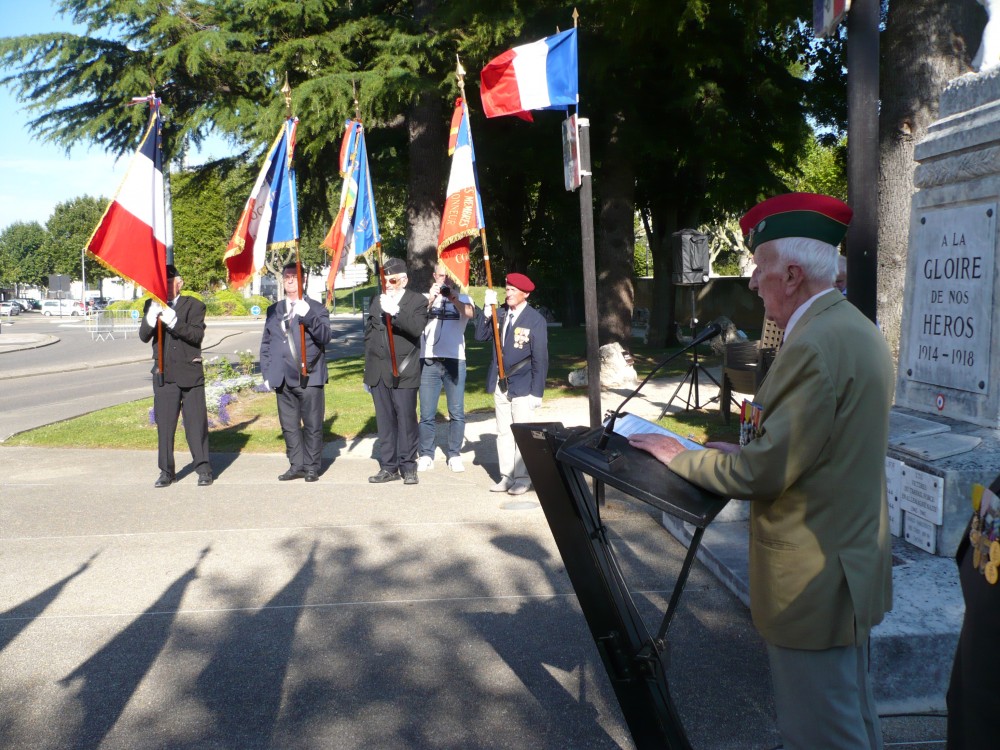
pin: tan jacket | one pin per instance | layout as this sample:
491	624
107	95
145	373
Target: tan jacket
820	554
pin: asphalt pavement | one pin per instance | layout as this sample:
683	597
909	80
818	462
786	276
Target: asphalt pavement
341	614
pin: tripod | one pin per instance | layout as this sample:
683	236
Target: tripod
692	374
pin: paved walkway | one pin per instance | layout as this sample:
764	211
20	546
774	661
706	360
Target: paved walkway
342	614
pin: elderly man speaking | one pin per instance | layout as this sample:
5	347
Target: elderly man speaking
814	471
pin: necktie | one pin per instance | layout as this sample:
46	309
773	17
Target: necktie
292	332
508	329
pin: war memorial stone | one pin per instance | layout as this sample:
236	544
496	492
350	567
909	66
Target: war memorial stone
945	425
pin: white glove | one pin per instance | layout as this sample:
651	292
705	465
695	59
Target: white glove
300	308
533	402
153	313
389	305
168	316
267	386
367	387
489	299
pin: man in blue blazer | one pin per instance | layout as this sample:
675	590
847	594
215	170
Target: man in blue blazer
525	350
301	405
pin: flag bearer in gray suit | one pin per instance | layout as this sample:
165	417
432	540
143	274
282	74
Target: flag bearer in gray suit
301	399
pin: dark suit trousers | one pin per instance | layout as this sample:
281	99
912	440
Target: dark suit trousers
169	400
398	437
300	414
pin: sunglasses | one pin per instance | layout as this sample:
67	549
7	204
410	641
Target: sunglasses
394	279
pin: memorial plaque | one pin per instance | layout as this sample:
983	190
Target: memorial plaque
904	427
920	533
921	494
893	471
951	317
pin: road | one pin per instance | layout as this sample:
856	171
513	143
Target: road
77	375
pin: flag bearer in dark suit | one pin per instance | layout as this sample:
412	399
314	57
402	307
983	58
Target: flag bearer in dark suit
301	405
525	347
395	403
183	386
814	473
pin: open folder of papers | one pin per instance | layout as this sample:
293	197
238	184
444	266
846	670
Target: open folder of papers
629	424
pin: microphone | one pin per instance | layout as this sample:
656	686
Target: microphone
710	331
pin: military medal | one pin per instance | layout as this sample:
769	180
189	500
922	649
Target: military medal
991	573
984	533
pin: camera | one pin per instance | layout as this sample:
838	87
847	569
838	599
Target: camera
445	291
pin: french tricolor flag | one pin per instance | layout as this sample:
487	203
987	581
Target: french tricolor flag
540	75
133	235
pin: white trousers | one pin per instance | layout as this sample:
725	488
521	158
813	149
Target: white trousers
509	411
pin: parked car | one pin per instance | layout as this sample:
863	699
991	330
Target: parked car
9	307
28	305
62	307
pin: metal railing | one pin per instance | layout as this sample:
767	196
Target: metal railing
106	325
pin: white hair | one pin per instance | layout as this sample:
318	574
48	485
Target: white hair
817	259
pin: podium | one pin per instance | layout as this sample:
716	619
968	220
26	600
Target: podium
560	461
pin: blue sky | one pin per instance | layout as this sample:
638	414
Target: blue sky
35	175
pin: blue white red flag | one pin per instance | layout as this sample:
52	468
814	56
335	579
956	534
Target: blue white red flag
827	15
355	229
463	207
540	75
270	216
135	231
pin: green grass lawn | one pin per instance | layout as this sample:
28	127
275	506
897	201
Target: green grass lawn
254	426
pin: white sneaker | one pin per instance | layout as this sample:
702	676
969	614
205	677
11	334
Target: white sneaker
425	463
502	486
518	488
455	463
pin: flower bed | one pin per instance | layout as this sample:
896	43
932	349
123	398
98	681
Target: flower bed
223	384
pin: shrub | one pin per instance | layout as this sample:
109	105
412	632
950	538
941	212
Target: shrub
257	299
227	302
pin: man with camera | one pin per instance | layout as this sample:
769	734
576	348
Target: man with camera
442	348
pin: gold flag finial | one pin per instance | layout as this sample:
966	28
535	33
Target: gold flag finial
576	17
286	90
460	75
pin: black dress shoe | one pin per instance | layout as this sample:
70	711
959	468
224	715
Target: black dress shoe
205	480
291	474
165	480
384	476
410	477
312	476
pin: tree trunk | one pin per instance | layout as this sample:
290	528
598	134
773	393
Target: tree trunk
662	328
616	244
926	44
428	139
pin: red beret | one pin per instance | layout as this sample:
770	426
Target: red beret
520	281
818	217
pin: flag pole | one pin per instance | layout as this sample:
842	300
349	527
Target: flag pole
388	318
501	374
155	113
381	266
589	266
286	90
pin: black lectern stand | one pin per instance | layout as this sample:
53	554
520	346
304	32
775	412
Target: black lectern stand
559	462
